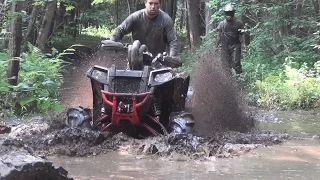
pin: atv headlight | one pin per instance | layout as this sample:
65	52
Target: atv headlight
160	76
99	75
163	77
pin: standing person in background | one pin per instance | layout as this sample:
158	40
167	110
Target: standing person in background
229	34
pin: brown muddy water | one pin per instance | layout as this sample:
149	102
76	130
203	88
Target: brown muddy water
293	159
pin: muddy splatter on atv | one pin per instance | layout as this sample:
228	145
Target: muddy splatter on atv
147	98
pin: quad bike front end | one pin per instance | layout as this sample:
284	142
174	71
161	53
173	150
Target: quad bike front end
142	100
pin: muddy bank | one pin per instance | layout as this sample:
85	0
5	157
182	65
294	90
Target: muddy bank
20	161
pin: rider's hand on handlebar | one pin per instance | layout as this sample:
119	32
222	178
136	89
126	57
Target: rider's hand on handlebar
172	61
169	61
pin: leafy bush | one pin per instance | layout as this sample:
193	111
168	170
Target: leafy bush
101	31
38	82
296	88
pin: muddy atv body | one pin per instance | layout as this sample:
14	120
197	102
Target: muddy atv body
143	99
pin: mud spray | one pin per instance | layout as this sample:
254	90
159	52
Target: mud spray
217	101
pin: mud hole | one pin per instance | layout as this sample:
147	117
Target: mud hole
42	140
219	115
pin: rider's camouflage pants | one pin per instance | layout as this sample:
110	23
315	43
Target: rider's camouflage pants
232	55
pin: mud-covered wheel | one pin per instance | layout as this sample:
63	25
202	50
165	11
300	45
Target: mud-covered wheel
79	117
181	122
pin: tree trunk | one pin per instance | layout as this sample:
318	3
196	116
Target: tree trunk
170	7
187	23
183	16
117	11
194	22
59	18
316	5
30	28
132	6
15	43
129	7
76	23
209	25
46	25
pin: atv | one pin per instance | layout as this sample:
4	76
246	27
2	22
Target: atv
146	98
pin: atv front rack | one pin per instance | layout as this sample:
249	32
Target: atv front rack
132	116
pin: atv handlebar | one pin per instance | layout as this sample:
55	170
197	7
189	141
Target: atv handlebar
166	60
113	45
162	58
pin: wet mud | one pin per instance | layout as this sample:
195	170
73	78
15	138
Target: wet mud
45	141
223	128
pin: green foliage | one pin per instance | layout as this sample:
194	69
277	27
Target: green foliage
298	88
103	31
3	56
96	17
281	32
63	42
38	82
101	1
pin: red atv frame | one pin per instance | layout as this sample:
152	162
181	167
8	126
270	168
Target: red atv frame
144	101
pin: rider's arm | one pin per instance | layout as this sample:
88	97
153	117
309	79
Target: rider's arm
172	38
123	29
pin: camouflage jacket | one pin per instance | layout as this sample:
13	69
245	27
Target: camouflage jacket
230	31
156	33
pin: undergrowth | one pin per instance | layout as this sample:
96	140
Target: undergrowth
39	79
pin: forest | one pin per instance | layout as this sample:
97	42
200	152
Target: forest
281	46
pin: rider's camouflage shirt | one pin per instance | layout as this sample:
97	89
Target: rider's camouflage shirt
156	33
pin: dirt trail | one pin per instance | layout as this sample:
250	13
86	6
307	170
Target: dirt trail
76	89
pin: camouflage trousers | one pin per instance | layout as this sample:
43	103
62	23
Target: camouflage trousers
231	54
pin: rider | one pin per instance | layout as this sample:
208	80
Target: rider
152	27
229	33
